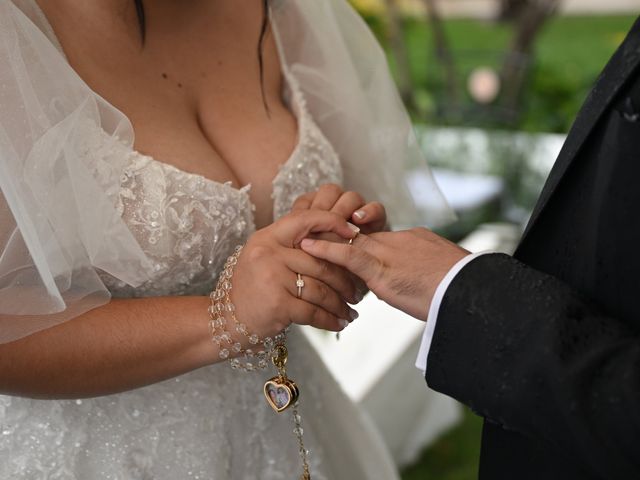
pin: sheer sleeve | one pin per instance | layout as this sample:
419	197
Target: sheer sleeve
58	218
345	78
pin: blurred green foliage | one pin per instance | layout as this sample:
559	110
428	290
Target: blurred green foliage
454	457
569	54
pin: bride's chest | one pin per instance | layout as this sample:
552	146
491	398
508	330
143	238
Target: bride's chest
187	224
219	129
197	93
217	151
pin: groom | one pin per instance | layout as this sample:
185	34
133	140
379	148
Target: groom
545	345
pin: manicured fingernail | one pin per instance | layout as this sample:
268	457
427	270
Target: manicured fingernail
360	214
353	227
343	323
307	242
353	314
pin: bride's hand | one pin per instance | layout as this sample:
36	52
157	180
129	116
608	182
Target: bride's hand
370	217
264	282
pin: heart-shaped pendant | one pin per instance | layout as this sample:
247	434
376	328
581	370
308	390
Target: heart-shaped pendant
280	393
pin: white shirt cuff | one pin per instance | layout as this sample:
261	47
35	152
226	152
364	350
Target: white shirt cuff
432	317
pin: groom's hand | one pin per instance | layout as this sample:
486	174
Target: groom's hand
402	268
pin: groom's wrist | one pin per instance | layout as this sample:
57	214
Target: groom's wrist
434	307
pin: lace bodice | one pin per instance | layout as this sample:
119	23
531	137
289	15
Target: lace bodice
187	224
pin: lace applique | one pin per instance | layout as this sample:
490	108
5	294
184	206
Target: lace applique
314	161
185	224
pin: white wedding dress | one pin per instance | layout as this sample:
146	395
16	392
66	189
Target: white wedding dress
212	423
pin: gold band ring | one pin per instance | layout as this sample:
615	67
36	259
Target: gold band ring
299	285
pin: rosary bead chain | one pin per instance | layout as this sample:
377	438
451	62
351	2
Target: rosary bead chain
274	348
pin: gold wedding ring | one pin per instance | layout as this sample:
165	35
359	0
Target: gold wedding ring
299	285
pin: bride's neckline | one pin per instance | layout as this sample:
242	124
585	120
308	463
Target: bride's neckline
244	189
297	106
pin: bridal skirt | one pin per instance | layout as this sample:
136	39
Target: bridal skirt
212	423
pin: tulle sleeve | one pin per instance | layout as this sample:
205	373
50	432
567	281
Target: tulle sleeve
58	219
345	78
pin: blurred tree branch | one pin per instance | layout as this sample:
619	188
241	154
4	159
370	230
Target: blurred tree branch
531	17
443	51
400	52
511	9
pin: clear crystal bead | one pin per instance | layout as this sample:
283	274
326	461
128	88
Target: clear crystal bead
231	307
298	431
226	285
249	367
268	343
236	347
254	339
262	364
224	353
216	339
235	364
219	307
226	337
248	353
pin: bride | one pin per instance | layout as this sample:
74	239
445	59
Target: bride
109	247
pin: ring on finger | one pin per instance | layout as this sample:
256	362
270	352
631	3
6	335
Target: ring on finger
354	237
299	285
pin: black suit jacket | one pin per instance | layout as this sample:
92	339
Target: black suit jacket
545	345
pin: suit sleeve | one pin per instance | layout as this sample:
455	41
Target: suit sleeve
527	352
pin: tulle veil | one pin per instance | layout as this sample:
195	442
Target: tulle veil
58	220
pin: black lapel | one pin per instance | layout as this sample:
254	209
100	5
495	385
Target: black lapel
613	77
